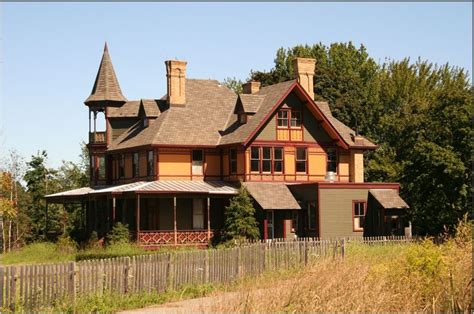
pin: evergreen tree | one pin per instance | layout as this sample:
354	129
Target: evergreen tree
240	221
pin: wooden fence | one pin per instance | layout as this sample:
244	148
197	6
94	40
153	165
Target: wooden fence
32	286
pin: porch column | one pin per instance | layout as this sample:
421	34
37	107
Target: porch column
174	221
113	210
138	217
208	219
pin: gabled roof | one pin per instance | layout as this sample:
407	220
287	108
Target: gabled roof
106	86
272	195
209	117
250	102
131	108
208	107
389	199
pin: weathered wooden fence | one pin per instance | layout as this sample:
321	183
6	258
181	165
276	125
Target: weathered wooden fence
35	285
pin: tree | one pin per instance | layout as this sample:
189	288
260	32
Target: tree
233	84
240	221
418	113
39	182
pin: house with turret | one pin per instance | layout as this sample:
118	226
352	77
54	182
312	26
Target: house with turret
167	167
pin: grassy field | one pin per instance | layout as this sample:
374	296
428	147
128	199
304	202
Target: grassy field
46	252
392	278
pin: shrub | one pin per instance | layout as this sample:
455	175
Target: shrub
66	245
93	241
118	234
113	250
240	222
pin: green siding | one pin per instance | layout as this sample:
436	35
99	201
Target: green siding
335	208
120	125
312	129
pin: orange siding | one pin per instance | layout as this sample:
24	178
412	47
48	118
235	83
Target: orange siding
142	164
343	167
225	163
175	165
296	135
283	135
212	166
316	161
290	161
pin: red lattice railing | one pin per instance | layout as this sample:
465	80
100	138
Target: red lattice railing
167	237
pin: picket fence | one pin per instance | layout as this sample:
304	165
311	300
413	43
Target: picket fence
32	286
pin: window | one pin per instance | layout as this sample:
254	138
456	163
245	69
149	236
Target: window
101	165
282	118
145	122
197	161
122	166
301	161
278	159
359	215
198	213
135	169
150	163
242	118
255	159
233	161
267	159
295	119
332	160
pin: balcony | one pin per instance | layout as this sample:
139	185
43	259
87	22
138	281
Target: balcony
97	138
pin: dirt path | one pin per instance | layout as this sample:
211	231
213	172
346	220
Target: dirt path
208	304
198	305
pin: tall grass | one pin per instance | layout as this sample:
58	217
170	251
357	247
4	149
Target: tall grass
391	278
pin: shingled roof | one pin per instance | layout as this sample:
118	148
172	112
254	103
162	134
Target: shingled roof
106	86
132	107
388	198
272	195
208	107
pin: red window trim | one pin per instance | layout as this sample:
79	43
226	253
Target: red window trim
353	214
230	161
299	160
288	118
272	160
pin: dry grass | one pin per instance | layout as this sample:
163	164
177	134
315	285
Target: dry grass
393	278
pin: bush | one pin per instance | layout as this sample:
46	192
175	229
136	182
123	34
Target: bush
240	222
66	245
118	234
93	241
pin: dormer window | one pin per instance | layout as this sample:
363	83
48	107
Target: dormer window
145	122
242	118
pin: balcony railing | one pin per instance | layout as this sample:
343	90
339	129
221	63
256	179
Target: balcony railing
167	237
97	137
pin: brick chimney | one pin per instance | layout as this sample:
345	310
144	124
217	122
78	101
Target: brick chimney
303	69
176	82
251	87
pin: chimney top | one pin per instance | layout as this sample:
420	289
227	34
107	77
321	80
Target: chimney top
251	87
176	82
303	69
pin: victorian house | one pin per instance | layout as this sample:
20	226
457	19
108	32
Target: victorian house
168	167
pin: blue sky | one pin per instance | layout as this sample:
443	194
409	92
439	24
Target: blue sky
50	52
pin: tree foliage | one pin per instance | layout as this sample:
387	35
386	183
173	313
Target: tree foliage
240	221
417	112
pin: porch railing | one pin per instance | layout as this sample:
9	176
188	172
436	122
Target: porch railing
97	137
169	237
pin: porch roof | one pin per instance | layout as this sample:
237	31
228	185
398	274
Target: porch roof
272	195
388	198
149	187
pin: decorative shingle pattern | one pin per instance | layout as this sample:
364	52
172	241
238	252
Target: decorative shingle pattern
131	109
106	86
388	198
272	195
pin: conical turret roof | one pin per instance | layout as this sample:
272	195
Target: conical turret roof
106	86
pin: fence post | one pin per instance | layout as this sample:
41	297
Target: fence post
343	248
206	274
239	262
72	283
12	288
2	270
305	245
126	273
169	273
384	240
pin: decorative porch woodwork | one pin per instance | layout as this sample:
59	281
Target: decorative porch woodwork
97	138
167	237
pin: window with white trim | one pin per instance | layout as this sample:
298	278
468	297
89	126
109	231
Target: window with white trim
359	215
